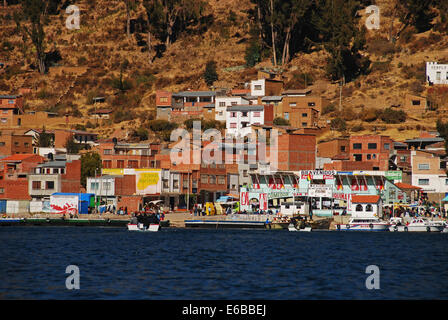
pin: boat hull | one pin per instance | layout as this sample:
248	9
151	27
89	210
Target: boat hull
363	227
416	229
139	227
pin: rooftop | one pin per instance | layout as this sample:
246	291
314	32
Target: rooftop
18	157
195	94
365	199
246	107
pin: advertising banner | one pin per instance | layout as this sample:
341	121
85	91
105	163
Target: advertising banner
64	204
320	190
148	181
263	201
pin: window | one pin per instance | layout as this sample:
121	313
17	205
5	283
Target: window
244	173
4	120
304	115
257	114
415	102
107	151
304	124
403	159
258	87
286	115
107	186
357	146
371	146
120	163
438	75
245	114
27	144
373	156
233	125
387	146
132	164
107	164
233	114
49	185
204	178
369	157
342	148
423	166
423	182
5	112
221	180
359	208
212	179
11	101
94	186
62	170
55	171
357	157
220	113
163	99
293	104
369	208
185	183
175	184
234	103
36	185
2	190
222	104
311	104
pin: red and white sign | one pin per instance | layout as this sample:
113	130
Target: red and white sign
244	198
64	204
263	201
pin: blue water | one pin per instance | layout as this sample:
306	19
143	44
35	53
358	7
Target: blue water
220	264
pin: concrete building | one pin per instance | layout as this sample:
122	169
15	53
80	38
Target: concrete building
10	107
239	118
223	102
436	73
429	173
55	176
14	143
266	87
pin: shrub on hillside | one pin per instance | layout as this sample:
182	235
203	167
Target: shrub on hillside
281	122
381	47
328	109
390	115
338	124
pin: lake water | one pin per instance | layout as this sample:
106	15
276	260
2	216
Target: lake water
220	264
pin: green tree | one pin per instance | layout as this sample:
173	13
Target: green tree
71	146
338	24
31	20
210	74
45	139
253	54
90	165
416	13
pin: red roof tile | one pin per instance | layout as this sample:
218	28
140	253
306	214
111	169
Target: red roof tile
407	186
18	157
365	199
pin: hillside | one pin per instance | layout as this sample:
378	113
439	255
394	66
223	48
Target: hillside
92	58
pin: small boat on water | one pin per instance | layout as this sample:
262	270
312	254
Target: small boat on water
419	225
140	227
292	227
364	224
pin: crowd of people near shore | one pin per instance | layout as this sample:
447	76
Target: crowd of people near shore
413	212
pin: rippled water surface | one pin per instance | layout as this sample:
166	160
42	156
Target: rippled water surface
220	264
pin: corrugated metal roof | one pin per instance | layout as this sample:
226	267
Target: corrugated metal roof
195	94
248	107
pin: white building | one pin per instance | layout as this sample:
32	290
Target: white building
239	118
436	73
431	183
221	104
258	88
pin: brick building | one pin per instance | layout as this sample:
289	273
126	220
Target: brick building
14	172
12	143
80	137
10	107
333	148
120	155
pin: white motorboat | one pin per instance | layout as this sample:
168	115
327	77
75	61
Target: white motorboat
419	225
364	224
140	227
291	227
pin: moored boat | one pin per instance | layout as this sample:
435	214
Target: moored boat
140	227
364	224
419	225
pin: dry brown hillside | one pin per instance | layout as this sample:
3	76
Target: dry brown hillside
92	57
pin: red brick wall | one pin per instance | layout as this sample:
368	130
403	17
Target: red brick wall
60	138
125	185
71	180
268	115
14	189
296	152
131	202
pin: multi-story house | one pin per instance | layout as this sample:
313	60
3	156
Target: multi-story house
222	102
429	172
14	171
120	155
12	143
239	118
55	176
10	107
436	73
